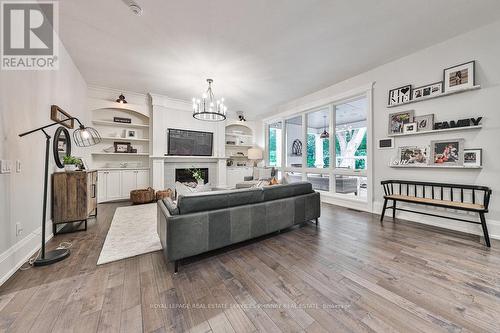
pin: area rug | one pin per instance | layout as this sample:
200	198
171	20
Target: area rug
132	232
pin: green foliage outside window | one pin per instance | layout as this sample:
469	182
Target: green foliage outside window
272	147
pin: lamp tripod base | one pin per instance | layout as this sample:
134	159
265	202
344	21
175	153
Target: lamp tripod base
52	257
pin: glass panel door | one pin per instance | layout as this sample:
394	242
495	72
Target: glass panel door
294	144
275	144
318	139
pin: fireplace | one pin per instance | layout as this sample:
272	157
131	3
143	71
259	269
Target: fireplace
186	176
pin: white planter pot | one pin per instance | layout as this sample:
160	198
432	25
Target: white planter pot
70	167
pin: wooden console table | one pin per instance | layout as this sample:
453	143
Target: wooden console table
74	198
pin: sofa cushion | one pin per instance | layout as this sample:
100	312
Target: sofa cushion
171	206
205	201
286	190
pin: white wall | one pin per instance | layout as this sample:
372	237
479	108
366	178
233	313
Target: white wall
25	100
425	67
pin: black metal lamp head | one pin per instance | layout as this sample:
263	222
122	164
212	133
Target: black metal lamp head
121	99
86	136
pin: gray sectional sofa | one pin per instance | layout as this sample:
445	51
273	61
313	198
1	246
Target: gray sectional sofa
206	221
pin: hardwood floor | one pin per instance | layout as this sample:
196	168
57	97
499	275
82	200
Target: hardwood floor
351	274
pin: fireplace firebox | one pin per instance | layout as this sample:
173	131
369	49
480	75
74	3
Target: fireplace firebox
186	176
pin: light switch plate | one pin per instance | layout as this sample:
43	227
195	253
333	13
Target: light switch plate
4	166
18	166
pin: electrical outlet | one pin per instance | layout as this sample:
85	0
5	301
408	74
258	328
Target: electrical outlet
19	229
18	166
4	166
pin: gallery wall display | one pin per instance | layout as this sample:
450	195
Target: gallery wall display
398	120
425	122
473	157
413	155
448	152
459	77
455	79
432	89
458	123
410	128
400	95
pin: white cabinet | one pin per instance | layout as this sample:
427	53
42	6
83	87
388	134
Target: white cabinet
117	184
142	178
237	175
129	182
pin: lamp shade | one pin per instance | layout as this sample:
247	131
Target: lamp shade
254	154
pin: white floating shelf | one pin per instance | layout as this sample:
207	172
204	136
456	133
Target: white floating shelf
108	138
112	123
466	128
122	154
238	156
240	135
436	96
436	167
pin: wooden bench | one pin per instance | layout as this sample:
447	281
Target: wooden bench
470	198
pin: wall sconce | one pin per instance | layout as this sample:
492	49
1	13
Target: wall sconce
121	99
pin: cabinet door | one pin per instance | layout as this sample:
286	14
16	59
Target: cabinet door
142	179
101	186
232	177
129	182
113	185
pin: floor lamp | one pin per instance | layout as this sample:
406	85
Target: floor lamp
83	137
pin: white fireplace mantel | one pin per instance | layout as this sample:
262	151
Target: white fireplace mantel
163	168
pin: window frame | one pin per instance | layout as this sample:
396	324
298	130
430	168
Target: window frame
331	170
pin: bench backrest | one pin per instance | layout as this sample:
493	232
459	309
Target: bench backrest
440	191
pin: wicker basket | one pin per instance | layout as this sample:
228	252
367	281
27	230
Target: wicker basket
142	196
168	193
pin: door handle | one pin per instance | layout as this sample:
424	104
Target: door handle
94	190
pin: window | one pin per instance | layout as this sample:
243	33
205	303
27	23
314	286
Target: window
294	142
351	186
318	139
274	144
350	134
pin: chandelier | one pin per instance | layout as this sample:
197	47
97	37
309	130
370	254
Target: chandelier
207	108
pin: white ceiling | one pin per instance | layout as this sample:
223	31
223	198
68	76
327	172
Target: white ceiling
260	53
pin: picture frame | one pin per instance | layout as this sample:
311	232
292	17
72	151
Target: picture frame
447	152
459	77
121	147
397	121
429	90
410	128
386	143
131	134
424	122
413	155
473	157
57	114
399	95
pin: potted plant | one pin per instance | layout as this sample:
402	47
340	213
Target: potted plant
197	174
70	163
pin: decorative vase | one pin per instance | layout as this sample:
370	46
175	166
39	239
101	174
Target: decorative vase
70	167
201	182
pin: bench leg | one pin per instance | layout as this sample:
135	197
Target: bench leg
393	209
383	210
485	229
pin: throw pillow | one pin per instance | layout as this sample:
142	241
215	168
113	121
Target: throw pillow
273	181
171	206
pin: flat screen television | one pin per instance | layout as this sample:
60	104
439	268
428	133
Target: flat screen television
189	143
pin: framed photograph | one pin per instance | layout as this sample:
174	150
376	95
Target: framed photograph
425	122
131	134
413	155
57	114
429	90
399	95
448	152
473	157
459	77
386	143
398	120
121	147
410	128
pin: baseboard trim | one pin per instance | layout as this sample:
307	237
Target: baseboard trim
14	257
